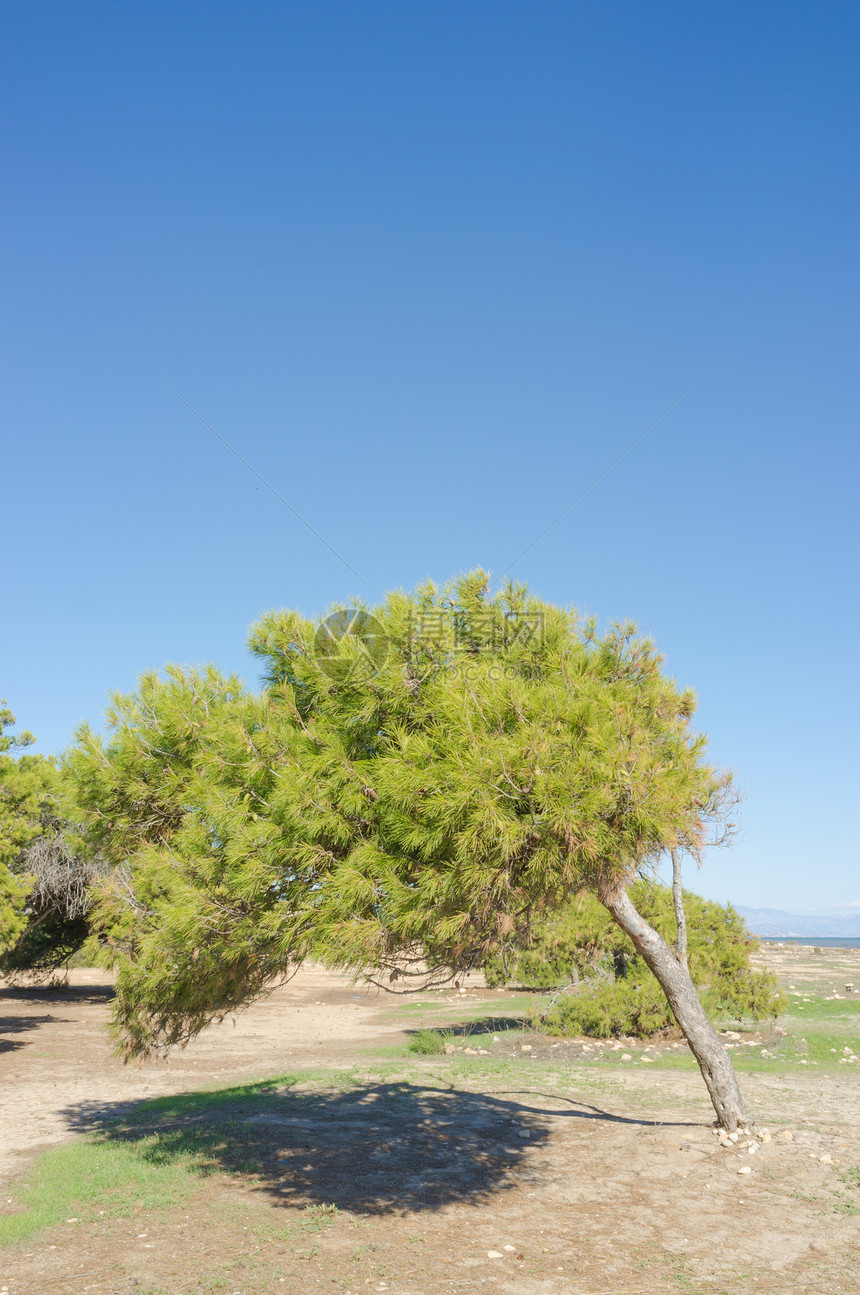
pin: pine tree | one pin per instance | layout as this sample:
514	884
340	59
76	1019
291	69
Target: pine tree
413	785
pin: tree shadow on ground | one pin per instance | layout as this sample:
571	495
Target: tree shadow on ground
20	1025
83	994
373	1148
481	1025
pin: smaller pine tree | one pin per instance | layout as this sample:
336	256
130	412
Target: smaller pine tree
609	988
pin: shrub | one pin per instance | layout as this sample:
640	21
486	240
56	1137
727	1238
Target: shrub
428	1042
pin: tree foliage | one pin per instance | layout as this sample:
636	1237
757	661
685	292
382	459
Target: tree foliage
26	782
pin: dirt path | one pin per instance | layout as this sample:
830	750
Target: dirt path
537	1174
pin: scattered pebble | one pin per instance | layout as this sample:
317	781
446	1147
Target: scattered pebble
745	1169
494	1254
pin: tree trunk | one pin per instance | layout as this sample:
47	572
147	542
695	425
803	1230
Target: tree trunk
707	1046
680	915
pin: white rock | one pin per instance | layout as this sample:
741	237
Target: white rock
509	1248
826	1160
495	1254
745	1169
625	1056
526	1047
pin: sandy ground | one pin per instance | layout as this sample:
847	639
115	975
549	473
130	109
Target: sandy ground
577	1179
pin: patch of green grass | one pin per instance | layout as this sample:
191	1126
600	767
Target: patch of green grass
85	1178
847	1009
471	1007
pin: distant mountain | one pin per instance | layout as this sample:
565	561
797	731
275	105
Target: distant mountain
774	923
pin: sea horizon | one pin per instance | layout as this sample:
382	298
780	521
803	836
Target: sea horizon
814	941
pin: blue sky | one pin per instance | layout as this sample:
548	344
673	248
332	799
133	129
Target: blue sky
430	268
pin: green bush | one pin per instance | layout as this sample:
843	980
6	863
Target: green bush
428	1042
611	991
604	1008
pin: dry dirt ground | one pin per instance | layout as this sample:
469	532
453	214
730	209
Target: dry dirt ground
517	1171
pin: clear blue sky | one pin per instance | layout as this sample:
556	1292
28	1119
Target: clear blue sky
430	267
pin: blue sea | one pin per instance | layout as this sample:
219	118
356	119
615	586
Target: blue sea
814	941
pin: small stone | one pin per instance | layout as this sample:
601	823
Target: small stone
449	1048
745	1169
526	1047
825	1159
495	1254
512	1249
625	1056
785	1136
733	1137
524	1133
647	1060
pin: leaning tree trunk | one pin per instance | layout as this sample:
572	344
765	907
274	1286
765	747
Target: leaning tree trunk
680	915
707	1046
